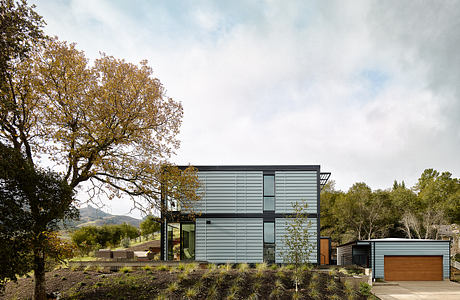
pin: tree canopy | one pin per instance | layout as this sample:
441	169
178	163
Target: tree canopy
32	202
416	212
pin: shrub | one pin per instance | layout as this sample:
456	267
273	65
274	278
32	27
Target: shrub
172	287
212	266
261	267
243	267
331	285
125	270
191	266
314	294
182	276
257	285
191	293
253	296
147	268
274	267
365	289
280	274
161	297
212	292
276	293
180	267
162	268
234	288
279	285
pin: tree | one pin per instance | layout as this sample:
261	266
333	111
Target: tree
298	242
20	30
329	219
109	124
364	213
32	202
150	225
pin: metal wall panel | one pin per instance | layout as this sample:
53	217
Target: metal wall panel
230	192
409	248
291	186
344	255
280	231
229	240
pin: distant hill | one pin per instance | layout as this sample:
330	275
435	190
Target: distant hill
96	217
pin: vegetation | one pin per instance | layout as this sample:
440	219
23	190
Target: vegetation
416	212
297	244
32	202
149	226
108	124
90	238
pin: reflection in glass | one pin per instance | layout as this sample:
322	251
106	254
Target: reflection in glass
269	185
188	241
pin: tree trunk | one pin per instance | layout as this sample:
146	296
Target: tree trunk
39	274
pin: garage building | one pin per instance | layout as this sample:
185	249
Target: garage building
397	259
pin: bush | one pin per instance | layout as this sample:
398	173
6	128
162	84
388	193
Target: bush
126	270
365	289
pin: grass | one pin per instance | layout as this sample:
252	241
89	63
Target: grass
125	270
172	287
163	268
191	293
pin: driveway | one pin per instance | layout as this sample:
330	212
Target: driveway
443	290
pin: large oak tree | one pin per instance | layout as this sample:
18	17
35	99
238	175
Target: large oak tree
108	124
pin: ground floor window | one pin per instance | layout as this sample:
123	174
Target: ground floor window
181	241
187	238
173	242
269	242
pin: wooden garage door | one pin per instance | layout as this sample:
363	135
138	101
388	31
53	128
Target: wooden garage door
407	268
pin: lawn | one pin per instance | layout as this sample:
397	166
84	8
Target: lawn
187	281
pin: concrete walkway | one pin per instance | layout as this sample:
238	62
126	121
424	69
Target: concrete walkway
433	290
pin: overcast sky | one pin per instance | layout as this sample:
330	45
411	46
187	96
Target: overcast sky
370	90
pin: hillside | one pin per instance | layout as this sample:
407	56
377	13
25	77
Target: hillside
96	217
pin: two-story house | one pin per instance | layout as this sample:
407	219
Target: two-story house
242	214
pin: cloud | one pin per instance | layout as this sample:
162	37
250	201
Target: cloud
369	91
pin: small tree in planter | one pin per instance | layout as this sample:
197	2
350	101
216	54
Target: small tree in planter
297	243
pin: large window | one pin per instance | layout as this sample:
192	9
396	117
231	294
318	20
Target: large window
187	241
269	192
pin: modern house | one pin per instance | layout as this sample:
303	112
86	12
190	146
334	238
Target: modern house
242	214
397	259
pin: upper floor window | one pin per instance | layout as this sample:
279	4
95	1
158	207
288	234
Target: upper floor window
269	192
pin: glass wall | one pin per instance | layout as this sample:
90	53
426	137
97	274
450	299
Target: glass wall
187	241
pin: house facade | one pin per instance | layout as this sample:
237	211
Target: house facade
242	214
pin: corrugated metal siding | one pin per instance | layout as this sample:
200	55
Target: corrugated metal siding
344	255
409	248
295	186
229	240
230	192
280	224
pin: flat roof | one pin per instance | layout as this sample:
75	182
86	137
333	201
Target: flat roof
391	240
256	167
402	240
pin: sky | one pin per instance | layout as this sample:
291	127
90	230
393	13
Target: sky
369	90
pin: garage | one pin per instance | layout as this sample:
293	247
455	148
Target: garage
413	268
399	259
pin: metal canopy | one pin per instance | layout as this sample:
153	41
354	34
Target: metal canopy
323	178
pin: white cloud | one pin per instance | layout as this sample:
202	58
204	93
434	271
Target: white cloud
369	91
